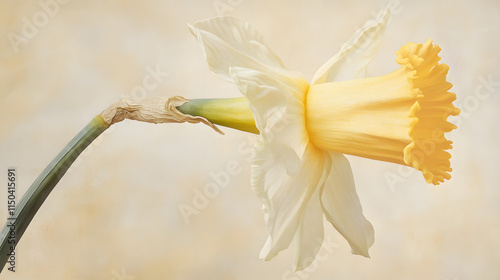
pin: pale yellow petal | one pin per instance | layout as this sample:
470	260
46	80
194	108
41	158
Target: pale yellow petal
276	100
310	234
342	207
232	42
285	197
351	61
236	50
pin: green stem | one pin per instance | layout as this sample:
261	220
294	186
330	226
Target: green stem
229	112
43	185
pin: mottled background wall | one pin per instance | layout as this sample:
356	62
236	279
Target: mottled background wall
115	215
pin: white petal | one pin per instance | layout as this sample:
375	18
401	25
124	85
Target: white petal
310	234
342	208
231	42
351	61
284	182
285	197
235	50
276	99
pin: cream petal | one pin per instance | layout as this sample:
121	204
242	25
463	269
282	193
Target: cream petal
231	42
310	234
285	172
236	50
276	100
351	61
285	198
342	207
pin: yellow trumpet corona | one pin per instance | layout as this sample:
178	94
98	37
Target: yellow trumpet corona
400	117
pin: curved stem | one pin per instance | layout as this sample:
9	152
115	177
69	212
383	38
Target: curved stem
230	112
43	185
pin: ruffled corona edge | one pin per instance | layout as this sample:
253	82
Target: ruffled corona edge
429	114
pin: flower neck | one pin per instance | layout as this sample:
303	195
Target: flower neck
229	112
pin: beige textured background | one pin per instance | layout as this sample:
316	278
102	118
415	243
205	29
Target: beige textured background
115	215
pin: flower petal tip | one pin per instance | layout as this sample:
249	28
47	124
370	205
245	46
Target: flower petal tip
354	56
298	267
265	254
361	253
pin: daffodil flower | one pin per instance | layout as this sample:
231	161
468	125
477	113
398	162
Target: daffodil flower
298	167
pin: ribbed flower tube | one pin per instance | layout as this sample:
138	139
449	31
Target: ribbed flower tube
400	117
